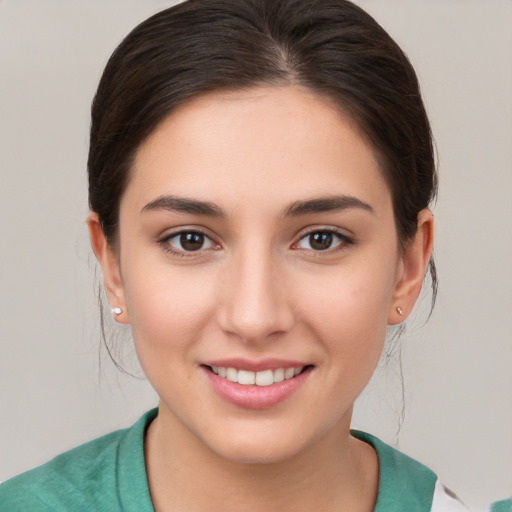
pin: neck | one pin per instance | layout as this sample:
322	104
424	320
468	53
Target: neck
337	472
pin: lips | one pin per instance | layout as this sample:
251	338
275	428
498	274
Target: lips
256	385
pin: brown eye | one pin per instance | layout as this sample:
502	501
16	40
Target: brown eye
189	241
192	241
321	240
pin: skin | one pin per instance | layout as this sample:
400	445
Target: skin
258	289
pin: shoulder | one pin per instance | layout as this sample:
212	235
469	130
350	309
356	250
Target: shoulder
406	484
69	481
85	478
501	506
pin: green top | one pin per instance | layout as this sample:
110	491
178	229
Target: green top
404	483
109	475
502	506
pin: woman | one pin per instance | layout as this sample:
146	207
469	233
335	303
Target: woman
259	180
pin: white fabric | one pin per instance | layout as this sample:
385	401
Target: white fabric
444	502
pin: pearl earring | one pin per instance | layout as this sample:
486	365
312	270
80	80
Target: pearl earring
116	311
399	310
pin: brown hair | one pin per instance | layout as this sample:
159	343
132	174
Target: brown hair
331	47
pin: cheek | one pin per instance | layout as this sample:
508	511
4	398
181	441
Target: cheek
169	308
353	295
349	313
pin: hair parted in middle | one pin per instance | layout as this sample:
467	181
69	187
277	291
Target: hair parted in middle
330	47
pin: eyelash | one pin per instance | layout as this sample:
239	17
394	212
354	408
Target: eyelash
343	242
182	253
343	239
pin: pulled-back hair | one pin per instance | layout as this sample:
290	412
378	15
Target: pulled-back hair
331	47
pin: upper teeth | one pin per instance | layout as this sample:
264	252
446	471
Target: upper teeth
264	378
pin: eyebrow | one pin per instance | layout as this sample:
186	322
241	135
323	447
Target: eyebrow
184	205
326	204
317	205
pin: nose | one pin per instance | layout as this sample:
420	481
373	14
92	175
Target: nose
255	303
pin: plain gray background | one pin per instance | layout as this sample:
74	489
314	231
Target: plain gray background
457	368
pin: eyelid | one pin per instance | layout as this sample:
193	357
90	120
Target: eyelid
169	235
344	238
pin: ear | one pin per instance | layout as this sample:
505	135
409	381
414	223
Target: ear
109	266
412	269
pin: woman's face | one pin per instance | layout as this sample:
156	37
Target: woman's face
257	234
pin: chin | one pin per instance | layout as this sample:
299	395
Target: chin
260	447
250	454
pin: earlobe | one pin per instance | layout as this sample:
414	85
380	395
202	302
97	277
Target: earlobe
110	268
413	265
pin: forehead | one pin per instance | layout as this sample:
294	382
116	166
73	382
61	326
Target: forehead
272	143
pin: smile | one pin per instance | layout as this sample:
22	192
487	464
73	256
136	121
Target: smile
256	385
261	378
